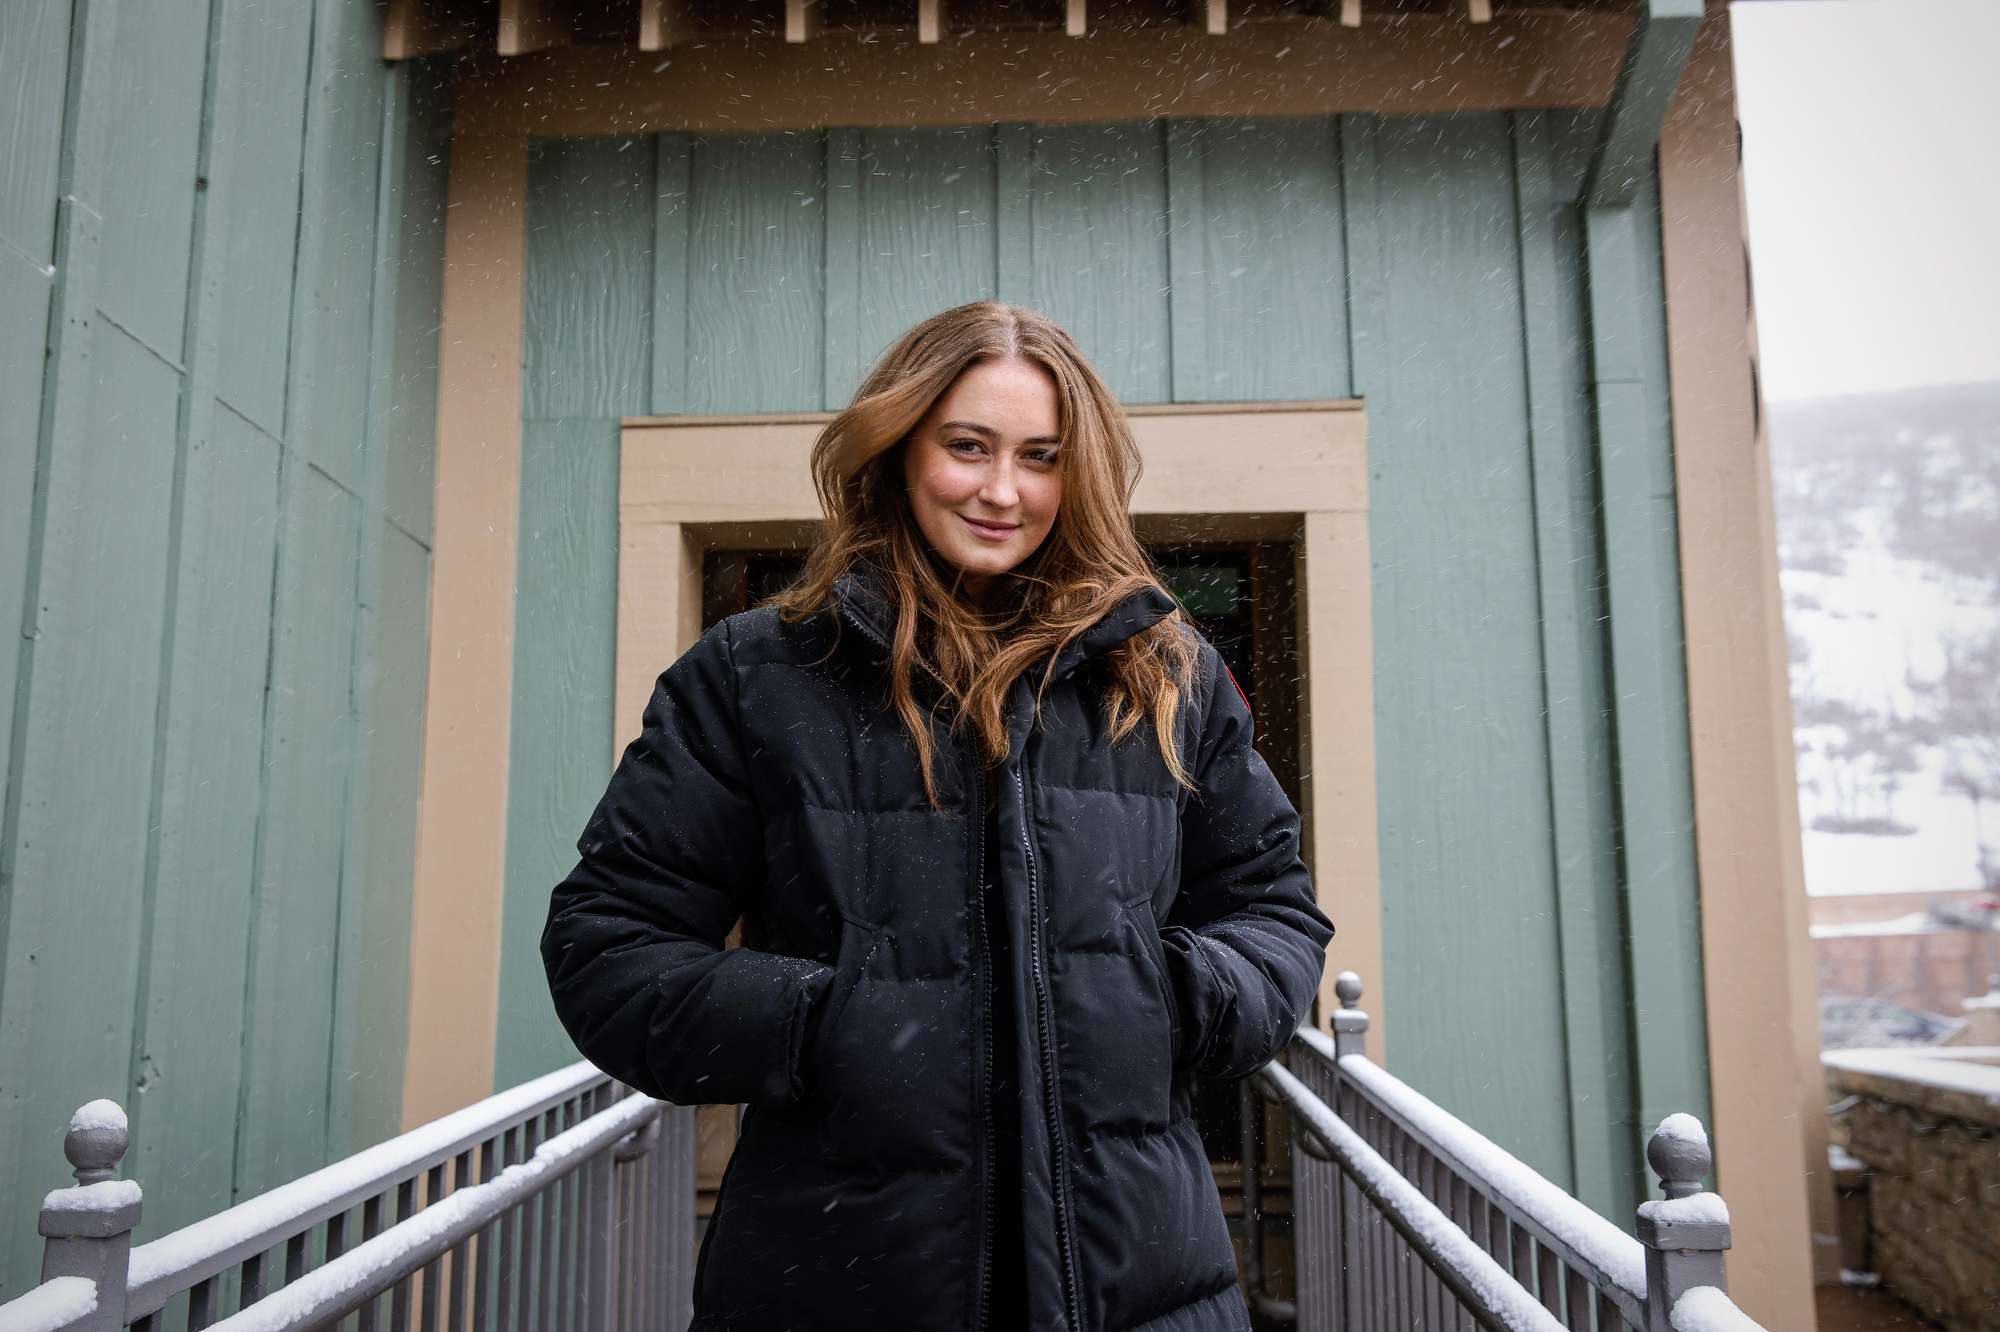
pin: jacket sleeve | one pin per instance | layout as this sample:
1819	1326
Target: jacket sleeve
1245	941
634	942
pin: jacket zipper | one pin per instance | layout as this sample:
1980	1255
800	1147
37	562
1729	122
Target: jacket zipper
988	1179
1059	1152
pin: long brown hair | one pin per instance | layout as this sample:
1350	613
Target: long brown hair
1089	562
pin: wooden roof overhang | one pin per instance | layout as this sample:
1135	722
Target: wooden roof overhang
560	68
519	27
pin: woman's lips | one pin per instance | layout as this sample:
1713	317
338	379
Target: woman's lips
990	531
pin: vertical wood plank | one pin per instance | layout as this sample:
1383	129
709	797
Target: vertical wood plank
259	153
1269	307
190	1030
589	277
565	632
1551	151
34	64
924	236
844	356
295	910
1186	231
1648	662
671	210
155	110
104	455
1101	249
1013	210
372	967
756	273
1461	748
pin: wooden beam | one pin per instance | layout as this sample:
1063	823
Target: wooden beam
1350	13
531	25
1211	16
1474	11
1075	21
664	24
803	19
412	28
930	21
1651	69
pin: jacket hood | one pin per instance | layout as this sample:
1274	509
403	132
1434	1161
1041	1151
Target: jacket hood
864	600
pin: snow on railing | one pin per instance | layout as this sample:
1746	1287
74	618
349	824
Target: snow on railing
1363	1248
566	1197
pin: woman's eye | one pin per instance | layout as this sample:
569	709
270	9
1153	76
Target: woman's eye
1046	457
966	448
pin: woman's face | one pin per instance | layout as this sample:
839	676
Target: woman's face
982	471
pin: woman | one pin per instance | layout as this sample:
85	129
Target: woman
1008	868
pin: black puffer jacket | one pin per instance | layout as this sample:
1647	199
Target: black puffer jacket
1155	931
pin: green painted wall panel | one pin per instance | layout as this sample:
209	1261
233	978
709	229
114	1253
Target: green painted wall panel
83	769
1648	660
397	671
189	1054
1462	780
332	373
372	1024
589	277
148	190
926	238
34	61
1259	272
755	306
1100	249
257	170
1551	152
295	909
560	752
173	846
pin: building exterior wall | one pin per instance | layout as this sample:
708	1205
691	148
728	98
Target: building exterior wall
218	336
1421	262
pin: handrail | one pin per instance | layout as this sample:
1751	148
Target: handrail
162	1269
372	1268
1612	1260
569	1198
56	1305
1488	1293
1583	1268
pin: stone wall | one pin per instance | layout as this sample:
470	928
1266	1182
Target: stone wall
1927	1125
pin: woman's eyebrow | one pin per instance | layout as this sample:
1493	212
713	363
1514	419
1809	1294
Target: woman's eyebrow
973	428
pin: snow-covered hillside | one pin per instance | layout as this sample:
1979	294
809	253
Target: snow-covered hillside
1889	541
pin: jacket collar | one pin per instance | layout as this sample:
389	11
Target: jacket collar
865	602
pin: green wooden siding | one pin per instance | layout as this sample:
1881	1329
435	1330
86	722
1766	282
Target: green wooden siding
1538	895
223	248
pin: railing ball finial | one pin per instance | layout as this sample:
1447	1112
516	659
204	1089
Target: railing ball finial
1680	1155
1348	986
96	1142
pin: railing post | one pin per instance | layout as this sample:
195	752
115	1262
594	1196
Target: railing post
1685	1235
1350	1024
88	1228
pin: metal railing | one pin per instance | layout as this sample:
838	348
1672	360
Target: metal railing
563	1205
567	1205
1404	1217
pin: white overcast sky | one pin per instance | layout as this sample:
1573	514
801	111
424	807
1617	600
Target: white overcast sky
1871	140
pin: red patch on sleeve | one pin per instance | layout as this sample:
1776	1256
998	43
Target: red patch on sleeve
1239	691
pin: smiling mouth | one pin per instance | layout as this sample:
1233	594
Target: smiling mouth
990	531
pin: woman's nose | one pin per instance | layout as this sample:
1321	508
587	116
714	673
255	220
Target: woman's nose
999	490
